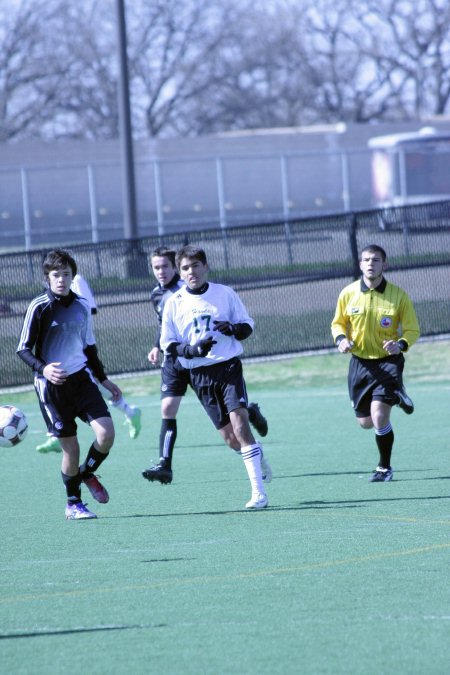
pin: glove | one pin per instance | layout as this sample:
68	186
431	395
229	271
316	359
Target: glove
202	348
224	327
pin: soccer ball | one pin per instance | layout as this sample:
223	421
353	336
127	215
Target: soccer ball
13	426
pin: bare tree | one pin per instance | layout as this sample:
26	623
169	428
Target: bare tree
201	67
31	71
413	53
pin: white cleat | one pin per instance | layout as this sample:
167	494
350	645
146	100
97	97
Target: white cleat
258	501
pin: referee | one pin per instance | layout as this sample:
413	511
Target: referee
376	321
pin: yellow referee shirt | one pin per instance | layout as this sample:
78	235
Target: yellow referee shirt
370	316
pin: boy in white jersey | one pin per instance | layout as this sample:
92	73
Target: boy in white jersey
175	379
58	343
203	324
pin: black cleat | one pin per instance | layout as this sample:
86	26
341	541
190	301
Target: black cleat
382	475
159	473
257	419
404	402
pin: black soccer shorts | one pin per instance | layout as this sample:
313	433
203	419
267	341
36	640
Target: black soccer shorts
174	378
79	396
374	380
220	389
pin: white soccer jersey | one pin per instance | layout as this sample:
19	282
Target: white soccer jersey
81	287
188	318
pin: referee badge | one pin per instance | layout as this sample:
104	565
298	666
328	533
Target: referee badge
386	321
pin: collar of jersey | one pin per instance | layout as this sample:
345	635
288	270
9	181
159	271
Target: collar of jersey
380	288
198	291
174	282
65	300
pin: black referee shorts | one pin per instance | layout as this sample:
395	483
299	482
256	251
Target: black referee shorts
374	380
79	396
174	378
220	389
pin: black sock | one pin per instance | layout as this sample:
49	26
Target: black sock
73	489
385	441
92	462
167	438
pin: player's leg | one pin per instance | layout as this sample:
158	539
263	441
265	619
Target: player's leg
75	509
252	454
384	436
162	472
362	384
59	415
230	439
222	391
103	428
174	383
93	410
131	412
385	396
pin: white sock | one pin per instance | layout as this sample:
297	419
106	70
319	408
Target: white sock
123	406
251	454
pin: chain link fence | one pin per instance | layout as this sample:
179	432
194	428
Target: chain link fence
288	274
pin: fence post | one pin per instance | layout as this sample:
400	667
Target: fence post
26	208
354	246
285	198
93	203
158	198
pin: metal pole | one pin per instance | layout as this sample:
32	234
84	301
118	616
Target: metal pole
158	198
345	181
126	141
93	204
285	198
221	193
26	209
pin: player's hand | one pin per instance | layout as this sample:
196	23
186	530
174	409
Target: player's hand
224	327
153	355
203	347
391	347
345	346
114	390
54	374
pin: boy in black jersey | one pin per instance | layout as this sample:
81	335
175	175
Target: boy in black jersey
57	342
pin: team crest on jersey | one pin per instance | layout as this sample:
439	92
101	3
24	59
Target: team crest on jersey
354	310
386	321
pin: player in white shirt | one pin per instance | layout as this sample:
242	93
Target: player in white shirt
175	379
203	324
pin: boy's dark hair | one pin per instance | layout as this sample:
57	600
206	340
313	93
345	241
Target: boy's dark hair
374	248
192	252
163	252
57	260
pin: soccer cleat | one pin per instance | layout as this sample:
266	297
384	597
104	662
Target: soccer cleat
78	511
159	473
404	402
258	501
96	489
50	445
257	419
265	469
134	423
381	475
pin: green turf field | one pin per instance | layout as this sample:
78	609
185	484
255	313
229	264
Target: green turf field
337	576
